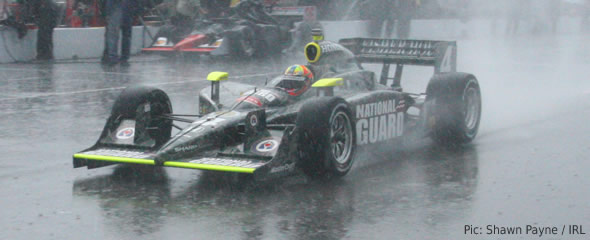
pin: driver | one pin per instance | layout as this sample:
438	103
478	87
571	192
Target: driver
296	80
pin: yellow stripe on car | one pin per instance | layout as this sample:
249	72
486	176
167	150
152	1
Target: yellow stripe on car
115	159
328	82
208	167
166	164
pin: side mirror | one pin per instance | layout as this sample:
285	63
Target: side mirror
215	78
326	86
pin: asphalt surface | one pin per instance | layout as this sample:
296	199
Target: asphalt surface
528	166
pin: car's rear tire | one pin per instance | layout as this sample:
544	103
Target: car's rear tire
326	137
133	104
454	108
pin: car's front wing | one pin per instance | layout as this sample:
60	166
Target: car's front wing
261	166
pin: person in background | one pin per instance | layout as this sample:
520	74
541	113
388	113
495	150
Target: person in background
378	12
406	9
554	12
518	9
585	23
9	20
83	10
44	14
119	16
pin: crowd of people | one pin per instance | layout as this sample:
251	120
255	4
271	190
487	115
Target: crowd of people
386	18
44	14
542	15
388	14
119	17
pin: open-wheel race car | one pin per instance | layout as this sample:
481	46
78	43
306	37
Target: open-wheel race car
248	29
314	118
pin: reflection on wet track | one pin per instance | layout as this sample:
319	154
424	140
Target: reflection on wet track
294	207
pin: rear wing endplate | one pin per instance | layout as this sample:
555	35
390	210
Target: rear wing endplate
442	55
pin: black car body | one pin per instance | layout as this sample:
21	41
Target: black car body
268	133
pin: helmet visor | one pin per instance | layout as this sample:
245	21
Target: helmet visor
292	83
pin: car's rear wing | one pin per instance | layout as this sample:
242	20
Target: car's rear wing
442	55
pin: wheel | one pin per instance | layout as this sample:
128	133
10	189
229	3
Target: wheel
144	105
454	111
326	138
246	43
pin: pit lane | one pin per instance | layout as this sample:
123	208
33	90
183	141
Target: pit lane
528	164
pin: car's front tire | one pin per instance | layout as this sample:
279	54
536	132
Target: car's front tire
146	106
326	137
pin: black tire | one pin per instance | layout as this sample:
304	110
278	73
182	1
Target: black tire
131	105
326	137
245	43
454	108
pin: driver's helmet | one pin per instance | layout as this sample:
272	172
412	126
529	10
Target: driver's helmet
296	80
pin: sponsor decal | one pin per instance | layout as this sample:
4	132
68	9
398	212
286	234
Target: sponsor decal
263	93
266	94
286	167
253	120
251	99
328	47
187	148
228	162
398	47
378	121
118	153
267	145
126	133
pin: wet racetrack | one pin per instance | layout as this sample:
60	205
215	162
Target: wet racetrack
528	165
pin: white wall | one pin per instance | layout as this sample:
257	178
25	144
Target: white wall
68	43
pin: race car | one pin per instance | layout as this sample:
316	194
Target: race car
314	118
248	31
